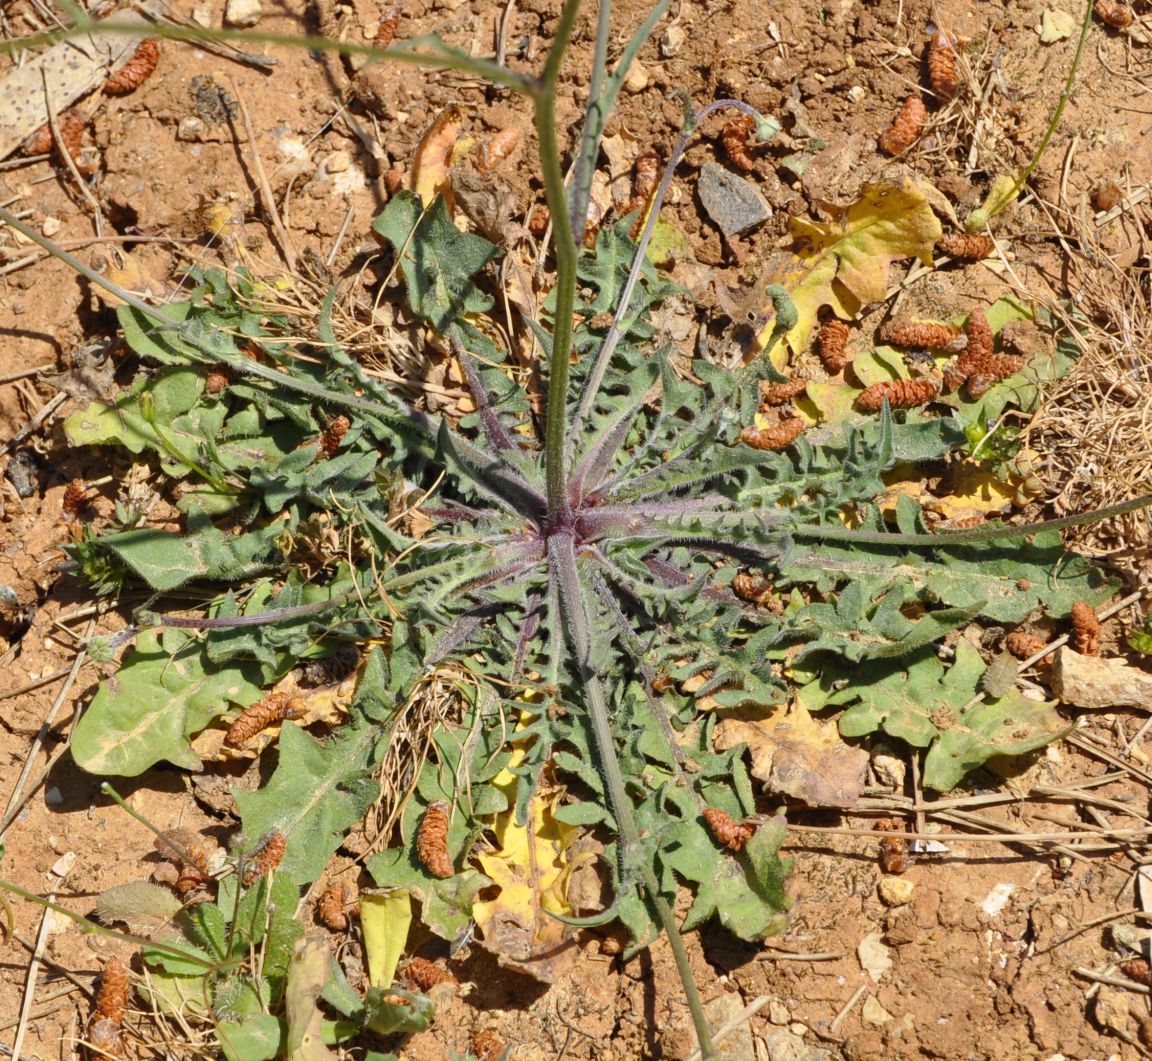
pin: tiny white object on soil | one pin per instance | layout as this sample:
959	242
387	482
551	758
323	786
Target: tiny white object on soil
997	899
672	41
51	226
875	957
243	13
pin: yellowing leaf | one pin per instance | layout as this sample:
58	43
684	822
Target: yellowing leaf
433	157
976	492
532	868
799	756
1003	190
384	918
845	263
1056	25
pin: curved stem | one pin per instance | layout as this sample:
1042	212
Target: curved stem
564	245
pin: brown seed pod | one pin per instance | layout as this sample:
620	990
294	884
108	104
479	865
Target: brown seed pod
780	436
726	830
906	128
103	1038
901	394
332	907
734	138
186	849
1107	195
990	371
432	841
756	589
273	708
499	148
1023	645
216	381
75	498
425	974
1115	14
645	173
334	435
538	223
966	246
964	522
487	1045
980	339
1085	629
893	853
113	994
266	859
662	683
928	335
71	124
832	346
386	33
1137	969
779	393
136	71
943	66
394	180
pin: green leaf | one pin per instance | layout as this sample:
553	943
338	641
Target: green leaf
438	260
318	792
445	905
260	1038
924	704
386	1017
164	693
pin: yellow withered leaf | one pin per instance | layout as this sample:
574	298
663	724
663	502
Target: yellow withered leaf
844	263
532	867
433	157
385	918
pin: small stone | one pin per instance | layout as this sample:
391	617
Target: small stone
243	13
638	78
895	891
202	14
889	767
778	1013
53	797
672	41
874	1013
337	162
733	203
856	93
875	958
51	226
191	130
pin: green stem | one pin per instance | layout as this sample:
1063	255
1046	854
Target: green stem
593	123
564	245
1058	113
439	56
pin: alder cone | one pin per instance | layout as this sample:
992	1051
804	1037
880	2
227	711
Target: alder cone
103	1038
906	127
113	994
1085	629
74	497
499	148
755	589
990	371
929	335
901	394
331	907
71	124
425	974
266	860
136	71
966	246
726	830
487	1045
1024	645
734	139
780	436
334	435
1115	14
216	381
980	338
261	715
893	855
832	346
779	393
943	67
432	841
386	33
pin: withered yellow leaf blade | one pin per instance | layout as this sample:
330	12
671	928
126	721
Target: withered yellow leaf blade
385	918
433	157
